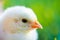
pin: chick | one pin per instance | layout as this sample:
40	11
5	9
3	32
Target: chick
19	23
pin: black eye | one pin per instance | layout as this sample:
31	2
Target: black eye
24	20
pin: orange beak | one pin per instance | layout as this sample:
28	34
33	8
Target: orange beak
36	25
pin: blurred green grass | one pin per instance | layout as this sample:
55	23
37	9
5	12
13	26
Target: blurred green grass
48	14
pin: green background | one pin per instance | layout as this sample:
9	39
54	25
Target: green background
48	14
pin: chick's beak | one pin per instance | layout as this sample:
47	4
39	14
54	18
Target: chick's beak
36	25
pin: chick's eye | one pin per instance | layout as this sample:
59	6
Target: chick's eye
24	20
